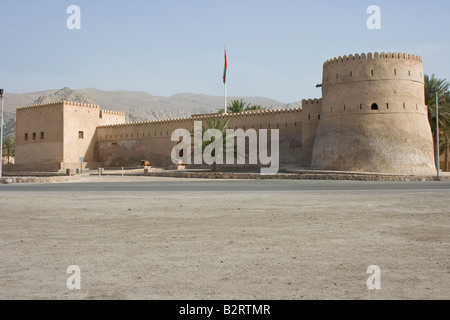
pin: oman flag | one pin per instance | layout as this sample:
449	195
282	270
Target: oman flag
225	68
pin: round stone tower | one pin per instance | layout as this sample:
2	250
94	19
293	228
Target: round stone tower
373	116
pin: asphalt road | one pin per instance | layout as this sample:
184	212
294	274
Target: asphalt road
186	185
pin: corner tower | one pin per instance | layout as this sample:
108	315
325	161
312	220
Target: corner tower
374	117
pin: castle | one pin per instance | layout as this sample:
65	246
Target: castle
372	118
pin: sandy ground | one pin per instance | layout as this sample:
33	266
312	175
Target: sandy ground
229	245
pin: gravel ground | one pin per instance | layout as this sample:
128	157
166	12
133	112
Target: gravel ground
264	244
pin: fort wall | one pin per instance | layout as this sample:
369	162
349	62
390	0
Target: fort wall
126	144
39	136
311	117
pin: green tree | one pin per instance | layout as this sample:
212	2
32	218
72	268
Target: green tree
9	148
214	123
255	107
442	87
238	106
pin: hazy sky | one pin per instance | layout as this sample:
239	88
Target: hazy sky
275	48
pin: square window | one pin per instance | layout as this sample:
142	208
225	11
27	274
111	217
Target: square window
80	134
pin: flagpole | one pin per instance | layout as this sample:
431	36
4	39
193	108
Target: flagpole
225	94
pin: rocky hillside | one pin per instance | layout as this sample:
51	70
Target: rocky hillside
138	106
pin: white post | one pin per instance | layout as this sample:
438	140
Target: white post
1	137
225	94
437	136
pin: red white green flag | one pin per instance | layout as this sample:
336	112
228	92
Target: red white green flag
225	68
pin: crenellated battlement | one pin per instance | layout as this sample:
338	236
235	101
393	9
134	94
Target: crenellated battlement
206	116
142	123
40	105
115	113
311	102
373	56
63	102
247	113
79	104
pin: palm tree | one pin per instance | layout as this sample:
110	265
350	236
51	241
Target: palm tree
255	107
442	87
9	148
445	143
238	106
222	126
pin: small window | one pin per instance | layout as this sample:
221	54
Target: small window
34	135
351	74
387	106
26	136
337	76
404	106
371	71
374	107
42	135
409	72
309	117
360	106
80	135
318	117
344	107
395	71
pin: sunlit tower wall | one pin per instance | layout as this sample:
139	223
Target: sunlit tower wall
373	116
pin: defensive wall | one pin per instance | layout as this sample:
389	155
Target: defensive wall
126	144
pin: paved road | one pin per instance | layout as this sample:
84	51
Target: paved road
173	185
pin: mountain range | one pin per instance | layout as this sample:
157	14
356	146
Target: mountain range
138	106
